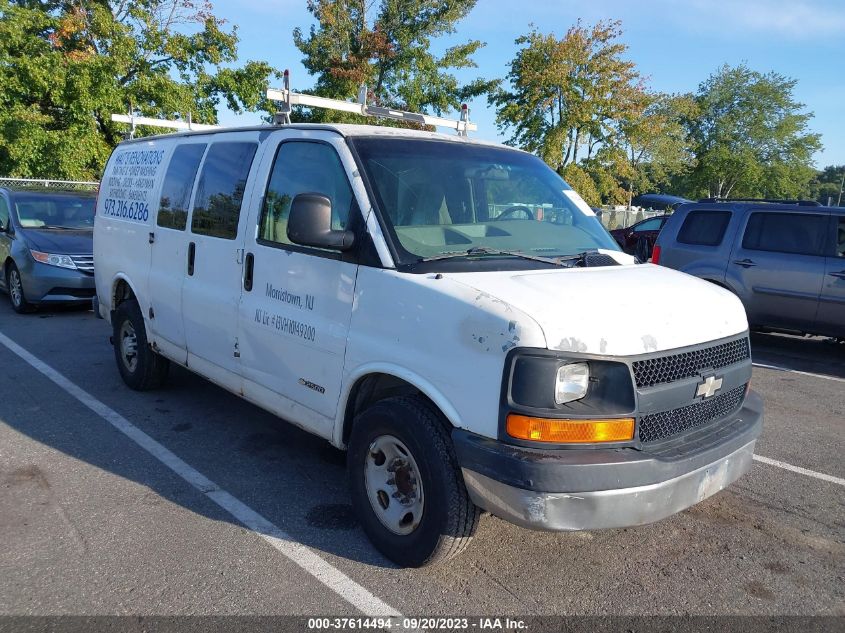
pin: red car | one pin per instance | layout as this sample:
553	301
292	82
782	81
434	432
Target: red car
638	239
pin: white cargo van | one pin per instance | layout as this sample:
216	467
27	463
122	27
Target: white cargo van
447	310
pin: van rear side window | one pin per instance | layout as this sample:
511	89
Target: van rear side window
178	182
704	228
220	192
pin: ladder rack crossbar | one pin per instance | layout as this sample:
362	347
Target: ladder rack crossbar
165	123
290	98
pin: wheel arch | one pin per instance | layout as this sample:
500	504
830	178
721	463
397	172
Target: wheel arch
122	290
376	382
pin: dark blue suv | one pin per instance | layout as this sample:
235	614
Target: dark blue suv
784	259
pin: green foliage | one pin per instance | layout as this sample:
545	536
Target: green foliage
751	137
651	144
388	51
565	94
578	178
828	185
65	67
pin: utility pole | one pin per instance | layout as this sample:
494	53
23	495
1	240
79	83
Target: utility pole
841	184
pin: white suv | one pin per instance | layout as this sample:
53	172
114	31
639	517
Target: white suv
448	310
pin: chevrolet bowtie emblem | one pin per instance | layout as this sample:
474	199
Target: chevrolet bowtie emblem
709	387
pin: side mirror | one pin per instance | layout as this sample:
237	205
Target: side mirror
310	224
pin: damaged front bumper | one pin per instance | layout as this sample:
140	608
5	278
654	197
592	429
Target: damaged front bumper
585	489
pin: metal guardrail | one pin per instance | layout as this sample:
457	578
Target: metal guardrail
74	185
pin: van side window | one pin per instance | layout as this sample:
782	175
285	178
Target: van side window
840	237
178	182
704	228
220	192
303	167
797	233
4	213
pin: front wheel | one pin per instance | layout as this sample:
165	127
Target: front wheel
406	484
141	368
16	294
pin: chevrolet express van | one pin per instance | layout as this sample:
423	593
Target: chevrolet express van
448	311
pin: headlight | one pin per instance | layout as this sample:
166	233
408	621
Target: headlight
62	261
571	383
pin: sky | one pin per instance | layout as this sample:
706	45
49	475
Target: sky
676	45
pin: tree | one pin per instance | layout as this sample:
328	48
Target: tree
389	50
65	67
565	94
827	186
650	144
751	137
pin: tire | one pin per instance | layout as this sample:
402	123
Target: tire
642	250
14	285
427	484
141	368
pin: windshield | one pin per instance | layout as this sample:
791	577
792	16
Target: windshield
441	197
55	212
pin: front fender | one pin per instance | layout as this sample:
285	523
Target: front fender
411	377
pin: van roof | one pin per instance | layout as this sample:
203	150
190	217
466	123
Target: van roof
344	129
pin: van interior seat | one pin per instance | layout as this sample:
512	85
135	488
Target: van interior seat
428	205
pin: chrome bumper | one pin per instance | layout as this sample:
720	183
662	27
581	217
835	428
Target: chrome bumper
621	507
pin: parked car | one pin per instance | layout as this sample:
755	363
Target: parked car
785	261
638	239
46	247
354	281
659	201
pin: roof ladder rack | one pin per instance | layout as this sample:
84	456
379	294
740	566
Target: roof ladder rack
174	124
287	99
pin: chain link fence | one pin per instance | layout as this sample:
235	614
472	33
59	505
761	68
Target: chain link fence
59	185
623	218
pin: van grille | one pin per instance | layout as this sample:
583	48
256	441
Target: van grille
667	423
662	369
85	263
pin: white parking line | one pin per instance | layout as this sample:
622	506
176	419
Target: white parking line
307	559
798	469
795	371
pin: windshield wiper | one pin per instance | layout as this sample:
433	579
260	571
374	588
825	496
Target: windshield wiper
51	226
484	250
577	259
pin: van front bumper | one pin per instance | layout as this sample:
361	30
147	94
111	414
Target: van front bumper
586	489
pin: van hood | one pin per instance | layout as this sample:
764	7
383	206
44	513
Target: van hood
61	241
615	310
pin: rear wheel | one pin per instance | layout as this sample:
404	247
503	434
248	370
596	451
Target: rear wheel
406	485
15	287
141	368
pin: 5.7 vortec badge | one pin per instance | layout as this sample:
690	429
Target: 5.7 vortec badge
709	387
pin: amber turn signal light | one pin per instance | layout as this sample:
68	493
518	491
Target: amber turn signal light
523	427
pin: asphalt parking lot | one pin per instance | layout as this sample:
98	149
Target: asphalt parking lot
93	523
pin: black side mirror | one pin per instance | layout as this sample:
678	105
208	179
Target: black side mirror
310	224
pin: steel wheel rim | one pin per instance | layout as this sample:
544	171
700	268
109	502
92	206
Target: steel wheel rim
393	484
128	346
15	287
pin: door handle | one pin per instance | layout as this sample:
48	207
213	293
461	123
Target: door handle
745	263
840	274
192	254
249	265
